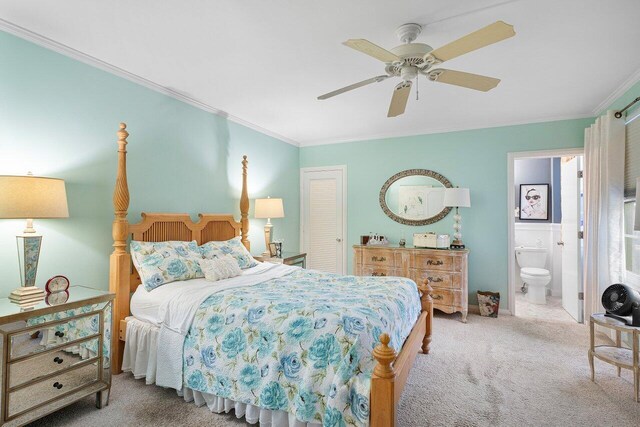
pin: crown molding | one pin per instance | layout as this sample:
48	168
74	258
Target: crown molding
70	52
442	130
621	90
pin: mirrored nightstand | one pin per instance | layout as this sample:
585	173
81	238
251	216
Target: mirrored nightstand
54	355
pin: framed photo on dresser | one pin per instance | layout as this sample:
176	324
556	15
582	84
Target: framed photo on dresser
534	202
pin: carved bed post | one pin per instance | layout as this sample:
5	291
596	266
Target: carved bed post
383	406
244	206
120	260
427	305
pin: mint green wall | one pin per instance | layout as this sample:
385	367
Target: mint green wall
58	117
476	159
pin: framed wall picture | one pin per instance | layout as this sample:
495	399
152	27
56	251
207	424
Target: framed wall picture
534	202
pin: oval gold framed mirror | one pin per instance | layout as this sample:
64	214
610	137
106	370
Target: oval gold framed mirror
415	197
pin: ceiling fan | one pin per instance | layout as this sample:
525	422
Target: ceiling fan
410	60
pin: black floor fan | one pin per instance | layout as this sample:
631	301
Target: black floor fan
623	303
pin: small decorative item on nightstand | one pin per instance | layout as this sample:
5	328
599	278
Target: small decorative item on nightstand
288	258
54	355
57	290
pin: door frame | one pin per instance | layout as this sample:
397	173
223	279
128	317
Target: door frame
511	223
343	170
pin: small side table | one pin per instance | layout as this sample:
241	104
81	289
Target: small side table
621	357
288	258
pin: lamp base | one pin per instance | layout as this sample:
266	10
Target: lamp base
457	244
27	295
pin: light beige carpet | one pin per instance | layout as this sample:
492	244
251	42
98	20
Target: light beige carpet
509	371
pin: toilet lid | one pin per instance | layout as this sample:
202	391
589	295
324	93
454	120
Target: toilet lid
532	271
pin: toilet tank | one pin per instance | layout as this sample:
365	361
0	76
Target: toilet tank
531	257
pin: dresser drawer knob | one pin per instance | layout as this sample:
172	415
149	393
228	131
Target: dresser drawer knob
57	385
58	360
432	262
59	334
379	259
436	280
437	296
375	274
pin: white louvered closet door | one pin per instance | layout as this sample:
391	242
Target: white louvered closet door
323	219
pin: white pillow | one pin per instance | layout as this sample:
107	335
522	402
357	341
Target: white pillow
223	267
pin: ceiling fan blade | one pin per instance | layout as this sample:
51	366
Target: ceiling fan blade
366	47
399	98
354	86
460	78
490	34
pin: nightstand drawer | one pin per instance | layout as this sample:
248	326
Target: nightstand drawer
52	388
438	279
446	297
378	271
40	365
52	336
381	257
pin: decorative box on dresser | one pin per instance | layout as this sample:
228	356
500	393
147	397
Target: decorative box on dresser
54	355
446	271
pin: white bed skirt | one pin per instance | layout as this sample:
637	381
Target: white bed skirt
140	358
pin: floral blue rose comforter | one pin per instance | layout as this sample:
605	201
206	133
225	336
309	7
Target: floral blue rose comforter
301	343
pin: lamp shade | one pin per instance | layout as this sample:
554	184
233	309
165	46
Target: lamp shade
30	197
457	197
269	208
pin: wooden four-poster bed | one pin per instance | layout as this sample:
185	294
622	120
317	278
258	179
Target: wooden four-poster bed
391	370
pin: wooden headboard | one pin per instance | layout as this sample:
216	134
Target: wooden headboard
158	227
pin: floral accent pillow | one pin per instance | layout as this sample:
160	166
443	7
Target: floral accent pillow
233	247
159	263
216	269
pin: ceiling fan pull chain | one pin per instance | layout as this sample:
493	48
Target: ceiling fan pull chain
417	89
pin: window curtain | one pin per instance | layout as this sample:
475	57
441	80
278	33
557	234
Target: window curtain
604	147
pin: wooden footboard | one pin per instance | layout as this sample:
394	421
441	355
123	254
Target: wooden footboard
391	372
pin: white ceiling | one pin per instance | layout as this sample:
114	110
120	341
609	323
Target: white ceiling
265	62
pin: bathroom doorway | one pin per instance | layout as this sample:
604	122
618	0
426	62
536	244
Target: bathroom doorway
545	235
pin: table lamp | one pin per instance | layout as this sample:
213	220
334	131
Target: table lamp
457	198
30	197
268	208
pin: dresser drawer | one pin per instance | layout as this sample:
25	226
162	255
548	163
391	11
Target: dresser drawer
438	279
433	262
378	271
52	388
40	365
446	297
53	336
378	257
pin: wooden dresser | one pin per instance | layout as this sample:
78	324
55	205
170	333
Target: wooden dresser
446	271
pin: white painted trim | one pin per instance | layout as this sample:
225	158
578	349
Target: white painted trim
440	130
621	90
511	221
63	49
546	226
343	169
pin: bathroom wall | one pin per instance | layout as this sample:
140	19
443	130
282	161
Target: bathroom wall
541	233
539	171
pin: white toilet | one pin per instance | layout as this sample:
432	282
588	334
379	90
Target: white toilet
532	272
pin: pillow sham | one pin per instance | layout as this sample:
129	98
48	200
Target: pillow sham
216	269
233	247
159	263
